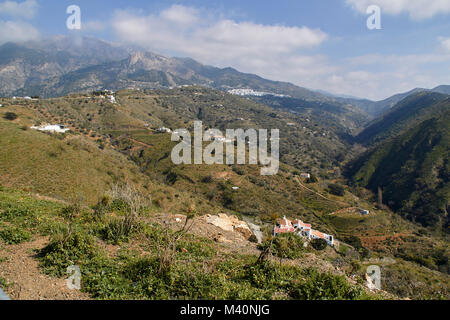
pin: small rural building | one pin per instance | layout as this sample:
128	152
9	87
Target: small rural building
305	175
163	130
301	229
58	128
320	235
283	226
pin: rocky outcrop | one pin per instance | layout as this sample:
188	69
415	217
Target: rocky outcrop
230	223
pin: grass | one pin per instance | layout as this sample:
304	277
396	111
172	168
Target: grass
73	166
199	269
45	164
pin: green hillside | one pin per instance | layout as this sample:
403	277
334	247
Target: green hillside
112	143
406	114
413	170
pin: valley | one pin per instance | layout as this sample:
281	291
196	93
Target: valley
60	184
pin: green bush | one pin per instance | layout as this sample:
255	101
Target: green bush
10	116
70	247
118	229
319	244
336	189
14	235
324	286
238	170
289	246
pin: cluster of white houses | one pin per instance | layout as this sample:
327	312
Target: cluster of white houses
301	229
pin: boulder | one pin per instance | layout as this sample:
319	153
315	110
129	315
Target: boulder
230	223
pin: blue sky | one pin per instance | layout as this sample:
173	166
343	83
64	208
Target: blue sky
318	44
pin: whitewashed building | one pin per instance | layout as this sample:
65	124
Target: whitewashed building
54	128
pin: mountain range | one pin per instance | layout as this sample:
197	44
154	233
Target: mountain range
63	65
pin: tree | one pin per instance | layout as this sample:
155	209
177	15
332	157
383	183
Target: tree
336	189
10	116
312	179
319	244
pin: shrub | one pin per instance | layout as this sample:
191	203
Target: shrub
320	286
356	243
70	247
207	179
238	170
10	116
289	246
118	230
336	189
319	244
312	179
14	235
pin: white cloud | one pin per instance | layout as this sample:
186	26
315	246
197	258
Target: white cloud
93	26
277	52
26	9
378	76
17	31
247	46
445	44
417	9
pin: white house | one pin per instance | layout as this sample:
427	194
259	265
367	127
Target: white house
301	229
51	128
164	130
305	175
314	234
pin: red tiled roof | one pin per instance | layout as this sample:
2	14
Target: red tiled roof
301	223
317	234
284	222
283	230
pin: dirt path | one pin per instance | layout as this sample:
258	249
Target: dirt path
26	282
140	143
322	196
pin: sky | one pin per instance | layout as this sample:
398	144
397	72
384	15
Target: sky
317	44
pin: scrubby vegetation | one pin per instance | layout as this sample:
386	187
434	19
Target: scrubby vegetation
10	116
287	246
123	254
197	269
413	171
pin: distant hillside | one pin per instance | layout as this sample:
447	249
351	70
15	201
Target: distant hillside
407	113
442	89
65	65
377	108
412	168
